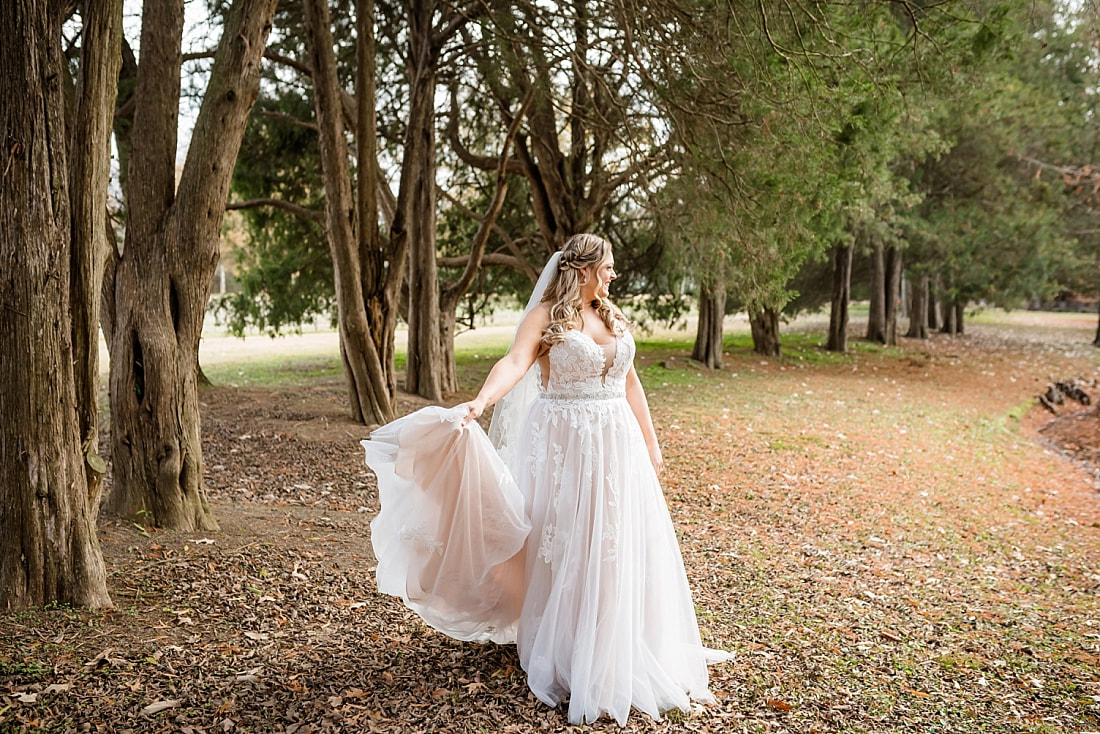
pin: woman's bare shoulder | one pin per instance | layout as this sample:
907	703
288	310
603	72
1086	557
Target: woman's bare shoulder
536	320
540	313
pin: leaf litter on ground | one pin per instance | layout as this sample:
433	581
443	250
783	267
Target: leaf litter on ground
890	541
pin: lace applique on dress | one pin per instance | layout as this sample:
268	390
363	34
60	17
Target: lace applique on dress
581	369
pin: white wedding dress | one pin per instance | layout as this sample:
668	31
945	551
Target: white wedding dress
568	549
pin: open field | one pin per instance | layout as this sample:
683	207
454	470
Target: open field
887	540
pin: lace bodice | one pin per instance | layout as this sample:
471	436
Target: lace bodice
581	368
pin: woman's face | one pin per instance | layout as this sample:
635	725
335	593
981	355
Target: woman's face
604	274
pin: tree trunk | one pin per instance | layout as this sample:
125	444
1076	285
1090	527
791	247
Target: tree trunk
842	288
960	309
424	369
918	310
355	262
934	289
876	317
123	124
382	263
89	174
892	294
49	550
166	270
765	332
708	334
1096	341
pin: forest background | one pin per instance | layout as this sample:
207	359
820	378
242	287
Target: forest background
417	162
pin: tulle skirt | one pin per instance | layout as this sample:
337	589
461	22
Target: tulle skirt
452	525
571	552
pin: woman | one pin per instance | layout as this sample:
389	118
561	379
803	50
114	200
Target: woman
593	589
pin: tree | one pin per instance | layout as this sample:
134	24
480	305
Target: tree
707	348
283	264
363	277
918	307
751	183
990	226
1066	151
52	211
451	293
554	84
841	257
163	277
885	286
369	265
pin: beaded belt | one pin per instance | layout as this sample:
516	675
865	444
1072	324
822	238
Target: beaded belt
609	393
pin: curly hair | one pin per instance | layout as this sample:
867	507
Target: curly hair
563	294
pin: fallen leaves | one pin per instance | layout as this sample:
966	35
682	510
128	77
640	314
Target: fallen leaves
864	579
157	706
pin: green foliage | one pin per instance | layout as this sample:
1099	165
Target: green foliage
284	266
769	135
797	150
283	263
991	225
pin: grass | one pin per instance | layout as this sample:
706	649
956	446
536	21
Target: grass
30	670
270	365
275	370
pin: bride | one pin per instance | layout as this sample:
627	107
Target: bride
555	534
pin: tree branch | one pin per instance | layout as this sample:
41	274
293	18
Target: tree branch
500	190
298	211
483	162
456	22
270	55
498	259
289	118
1075	173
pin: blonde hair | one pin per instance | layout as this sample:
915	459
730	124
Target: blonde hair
563	294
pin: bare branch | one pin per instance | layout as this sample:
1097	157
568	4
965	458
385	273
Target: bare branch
270	55
496	259
481	237
484	162
457	22
289	118
299	211
298	66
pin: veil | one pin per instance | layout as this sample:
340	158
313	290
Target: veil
510	410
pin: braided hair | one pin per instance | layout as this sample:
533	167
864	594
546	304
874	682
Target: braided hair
563	294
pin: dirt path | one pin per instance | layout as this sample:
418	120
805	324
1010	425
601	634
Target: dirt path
886	541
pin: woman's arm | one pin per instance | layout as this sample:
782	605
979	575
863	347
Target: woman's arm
513	365
635	396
